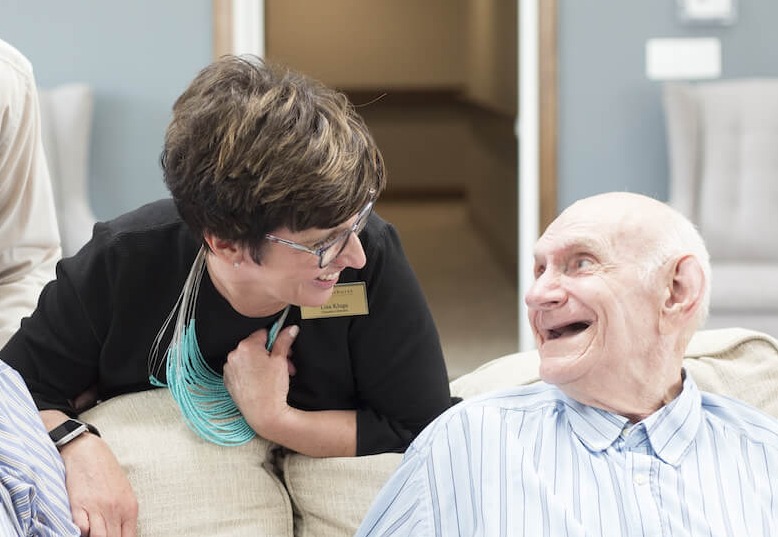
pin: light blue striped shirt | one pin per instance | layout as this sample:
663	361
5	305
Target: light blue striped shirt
532	462
32	476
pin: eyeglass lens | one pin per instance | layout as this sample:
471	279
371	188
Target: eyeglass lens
330	254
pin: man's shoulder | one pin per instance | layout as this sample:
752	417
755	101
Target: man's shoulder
500	404
742	418
517	398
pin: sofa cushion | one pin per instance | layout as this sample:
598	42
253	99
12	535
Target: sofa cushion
331	496
511	370
185	485
732	361
736	362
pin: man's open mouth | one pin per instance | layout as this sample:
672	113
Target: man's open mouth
568	330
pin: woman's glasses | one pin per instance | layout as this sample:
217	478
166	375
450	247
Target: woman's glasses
334	246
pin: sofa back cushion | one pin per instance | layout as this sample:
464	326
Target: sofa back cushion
185	485
736	362
331	496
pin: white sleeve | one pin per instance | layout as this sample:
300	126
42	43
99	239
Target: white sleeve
29	239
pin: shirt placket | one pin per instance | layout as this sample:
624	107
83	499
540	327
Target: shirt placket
640	501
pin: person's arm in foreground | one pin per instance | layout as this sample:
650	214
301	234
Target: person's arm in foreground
29	239
57	353
31	471
101	497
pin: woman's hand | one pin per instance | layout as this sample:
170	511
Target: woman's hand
258	380
101	498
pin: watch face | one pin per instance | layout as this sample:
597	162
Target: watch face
66	432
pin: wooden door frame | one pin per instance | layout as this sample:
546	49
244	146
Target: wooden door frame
548	92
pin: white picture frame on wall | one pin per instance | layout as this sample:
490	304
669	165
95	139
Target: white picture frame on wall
713	12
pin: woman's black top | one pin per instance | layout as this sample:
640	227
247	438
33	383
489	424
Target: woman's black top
95	324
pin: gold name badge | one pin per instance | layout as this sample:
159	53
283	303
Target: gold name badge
347	299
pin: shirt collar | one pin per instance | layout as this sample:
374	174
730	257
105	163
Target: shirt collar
670	430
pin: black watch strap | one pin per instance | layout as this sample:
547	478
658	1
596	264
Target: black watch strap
69	430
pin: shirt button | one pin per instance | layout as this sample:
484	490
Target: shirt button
641	479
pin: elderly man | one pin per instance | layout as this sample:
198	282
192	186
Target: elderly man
617	440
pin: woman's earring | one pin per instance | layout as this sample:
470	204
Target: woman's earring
236	264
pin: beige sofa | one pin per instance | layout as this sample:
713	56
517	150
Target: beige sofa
191	488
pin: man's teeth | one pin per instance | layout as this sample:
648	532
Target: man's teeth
329	277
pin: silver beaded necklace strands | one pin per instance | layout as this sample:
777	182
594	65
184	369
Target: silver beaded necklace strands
198	390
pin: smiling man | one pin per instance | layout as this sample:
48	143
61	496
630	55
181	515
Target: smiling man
616	440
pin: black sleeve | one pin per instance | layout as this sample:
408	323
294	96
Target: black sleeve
57	348
398	364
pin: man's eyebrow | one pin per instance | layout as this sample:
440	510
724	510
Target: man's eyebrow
570	246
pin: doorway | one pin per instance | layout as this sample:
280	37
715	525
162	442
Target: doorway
436	83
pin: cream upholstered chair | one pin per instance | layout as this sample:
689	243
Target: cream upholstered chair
723	152
66	127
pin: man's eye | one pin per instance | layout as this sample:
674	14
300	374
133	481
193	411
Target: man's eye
539	270
583	263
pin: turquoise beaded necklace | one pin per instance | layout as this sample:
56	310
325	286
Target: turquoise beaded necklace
198	390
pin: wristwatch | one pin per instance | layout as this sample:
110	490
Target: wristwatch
70	430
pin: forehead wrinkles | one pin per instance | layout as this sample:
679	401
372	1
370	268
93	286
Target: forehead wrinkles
577	236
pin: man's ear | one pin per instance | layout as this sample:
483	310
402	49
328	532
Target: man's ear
686	286
225	250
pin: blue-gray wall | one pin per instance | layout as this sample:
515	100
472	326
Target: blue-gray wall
611	128
138	55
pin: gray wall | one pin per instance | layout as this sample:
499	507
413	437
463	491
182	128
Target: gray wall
138	55
611	129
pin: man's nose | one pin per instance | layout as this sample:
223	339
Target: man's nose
546	292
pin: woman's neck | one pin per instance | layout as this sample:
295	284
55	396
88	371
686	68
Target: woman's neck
243	298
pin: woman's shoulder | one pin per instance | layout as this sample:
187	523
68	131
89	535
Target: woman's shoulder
153	222
154	230
379	234
153	215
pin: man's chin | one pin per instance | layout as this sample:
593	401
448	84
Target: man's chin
558	358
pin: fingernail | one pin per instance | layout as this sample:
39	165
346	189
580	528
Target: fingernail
294	330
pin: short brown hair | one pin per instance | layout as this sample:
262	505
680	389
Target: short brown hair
254	147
